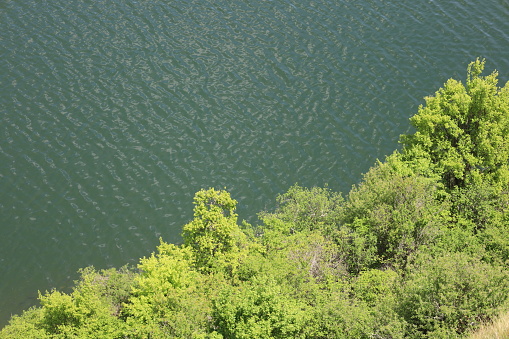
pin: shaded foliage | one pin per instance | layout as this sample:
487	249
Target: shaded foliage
394	213
452	293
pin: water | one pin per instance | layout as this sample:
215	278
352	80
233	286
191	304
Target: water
114	113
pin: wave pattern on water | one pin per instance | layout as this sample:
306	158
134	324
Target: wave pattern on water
113	113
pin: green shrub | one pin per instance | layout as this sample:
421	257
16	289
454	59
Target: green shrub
308	209
454	292
393	214
258	309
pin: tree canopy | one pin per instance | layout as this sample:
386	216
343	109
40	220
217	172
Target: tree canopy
463	130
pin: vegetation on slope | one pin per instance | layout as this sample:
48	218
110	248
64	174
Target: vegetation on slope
419	249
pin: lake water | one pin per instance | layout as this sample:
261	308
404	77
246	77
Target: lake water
114	113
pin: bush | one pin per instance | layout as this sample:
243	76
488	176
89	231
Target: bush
393	213
308	209
452	293
258	309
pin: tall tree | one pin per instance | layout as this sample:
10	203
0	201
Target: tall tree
463	130
213	234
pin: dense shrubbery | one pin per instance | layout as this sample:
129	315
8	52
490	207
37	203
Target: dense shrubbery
419	249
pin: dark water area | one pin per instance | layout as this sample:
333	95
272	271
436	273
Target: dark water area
114	113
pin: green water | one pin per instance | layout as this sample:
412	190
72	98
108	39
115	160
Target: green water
113	113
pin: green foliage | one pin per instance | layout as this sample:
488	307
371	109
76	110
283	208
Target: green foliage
112	285
213	234
28	325
258	309
93	307
315	258
337	313
308	209
60	313
303	260
166	299
393	214
92	310
463	130
376	286
451	294
480	211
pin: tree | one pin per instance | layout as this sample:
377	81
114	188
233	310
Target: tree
213	235
308	209
260	308
463	130
92	310
392	213
168	299
452	294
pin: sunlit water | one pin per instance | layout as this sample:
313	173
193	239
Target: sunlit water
114	113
